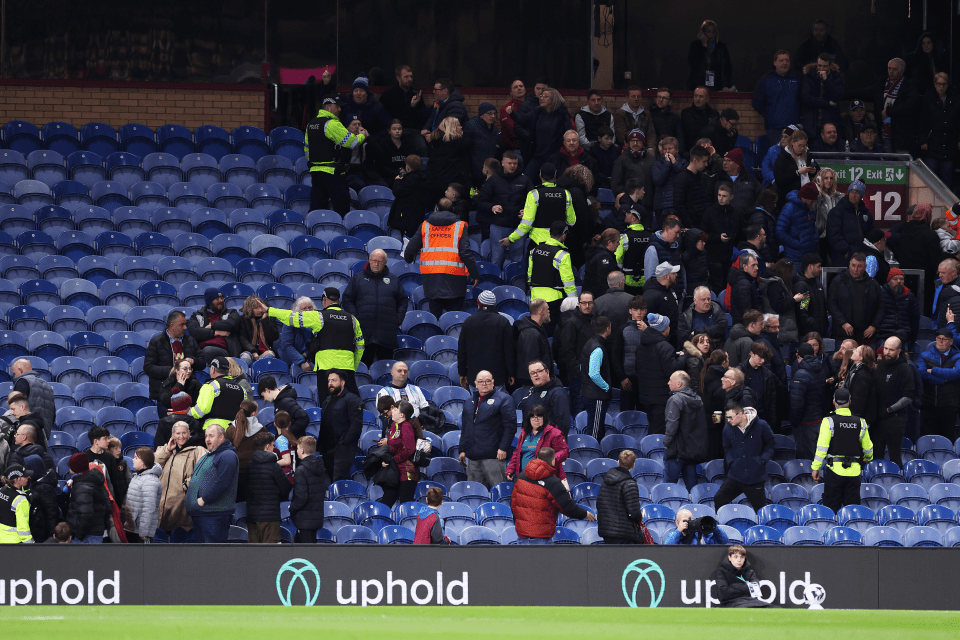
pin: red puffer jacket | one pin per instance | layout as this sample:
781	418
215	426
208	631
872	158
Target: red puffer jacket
538	496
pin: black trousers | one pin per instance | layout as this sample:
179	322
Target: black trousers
938	421
404	493
730	489
656	416
887	434
329	192
374	352
306	535
438	306
322	374
839	491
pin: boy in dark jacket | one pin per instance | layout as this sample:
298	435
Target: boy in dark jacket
618	504
88	512
696	260
284	399
267	488
748	446
721	223
309	491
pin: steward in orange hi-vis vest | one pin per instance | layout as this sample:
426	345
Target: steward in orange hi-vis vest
446	260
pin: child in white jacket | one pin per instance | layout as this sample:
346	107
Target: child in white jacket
143	495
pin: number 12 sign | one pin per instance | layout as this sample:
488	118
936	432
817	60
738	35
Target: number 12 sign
886	194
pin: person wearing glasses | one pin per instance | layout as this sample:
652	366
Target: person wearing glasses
940	370
665	121
489	424
547	391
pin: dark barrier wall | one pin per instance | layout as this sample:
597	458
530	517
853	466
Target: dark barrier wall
850	578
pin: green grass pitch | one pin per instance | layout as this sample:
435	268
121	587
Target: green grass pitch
259	623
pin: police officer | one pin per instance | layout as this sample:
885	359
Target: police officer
844	441
337	343
633	246
329	157
550	273
545	205
219	399
14	506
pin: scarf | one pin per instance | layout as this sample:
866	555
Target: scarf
890	91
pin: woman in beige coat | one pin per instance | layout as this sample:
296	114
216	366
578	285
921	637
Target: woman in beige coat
178	462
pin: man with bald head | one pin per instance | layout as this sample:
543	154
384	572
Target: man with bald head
684	535
895	392
897	104
375	298
38	392
946	294
489	424
399	389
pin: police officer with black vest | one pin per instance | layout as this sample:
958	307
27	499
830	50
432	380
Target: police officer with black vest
545	205
844	443
337	343
550	273
329	157
630	254
219	398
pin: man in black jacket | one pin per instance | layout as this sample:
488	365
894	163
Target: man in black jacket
656	362
486	344
375	298
403	102
98	452
695	117
499	203
685	434
489	424
38	391
547	391
310	484
895	389
574	334
596	378
665	122
661	297
284	399
618	503
341	421
896	105
854	302
267	487
165	350
215	328
25	444
532	343
812	314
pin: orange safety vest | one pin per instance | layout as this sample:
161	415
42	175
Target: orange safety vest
440	253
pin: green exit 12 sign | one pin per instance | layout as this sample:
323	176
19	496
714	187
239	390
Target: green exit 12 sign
870	174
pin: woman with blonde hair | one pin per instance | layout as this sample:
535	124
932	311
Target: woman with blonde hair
829	198
258	333
709	60
450	153
792	169
546	124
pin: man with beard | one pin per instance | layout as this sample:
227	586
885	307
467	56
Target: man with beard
403	102
341	420
895	389
215	328
819	42
940	371
901	311
723	131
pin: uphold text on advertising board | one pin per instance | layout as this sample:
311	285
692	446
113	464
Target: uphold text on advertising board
333	575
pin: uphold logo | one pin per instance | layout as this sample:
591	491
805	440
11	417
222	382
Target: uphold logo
643	569
302	572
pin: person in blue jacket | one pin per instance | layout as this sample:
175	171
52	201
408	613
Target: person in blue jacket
373	115
486	139
684	535
797	225
777	95
848	224
292	344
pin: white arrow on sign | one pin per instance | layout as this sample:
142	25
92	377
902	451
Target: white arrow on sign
899	175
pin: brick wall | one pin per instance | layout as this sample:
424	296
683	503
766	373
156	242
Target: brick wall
117	104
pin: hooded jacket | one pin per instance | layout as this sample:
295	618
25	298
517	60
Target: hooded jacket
373	116
575	332
538	497
941	385
664	302
797	229
618	506
664	175
89	506
452	107
816	95
229	321
178	467
486	144
487	343
775	299
685	435
744	292
696	263
713	323
310	484
901	316
600	262
268	487
814	317
442	285
143	500
847	226
747	452
738	344
379	302
215	480
625	120
43	492
807	389
532	344
507	190
286	400
546	129
554	398
656	362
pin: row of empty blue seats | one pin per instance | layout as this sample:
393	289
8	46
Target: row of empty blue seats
24	137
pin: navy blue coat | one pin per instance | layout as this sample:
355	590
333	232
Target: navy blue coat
310	484
797	229
267	487
814	104
747	453
486	142
292	344
744	294
508	191
806	391
547	130
379	303
452	108
901	316
776	99
489	427
847	226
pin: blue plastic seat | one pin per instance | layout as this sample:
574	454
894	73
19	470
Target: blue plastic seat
264	197
187	196
874	496
473	494
355	535
176	140
651	447
296	197
231	247
446	471
254	272
952	537
762	535
65	319
857	517
287	224
13	166
54	220
235	293
477	535
364	225
247	221
842	537
250	141
76	421
456	516
201	169
153	245
287	142
946	494
269	247
26	319
61	137
85	167
899	517
132	395
882	537
923	537
75	245
146	318
89	344
817	516
349	492
61	444
136	269
109	195
47	166
33	292
393	534
133	440
740	517
882	472
292	272
124	168
48	345
19	268
110	370
119	293
777	516
938	517
149	195
239	169
660	519
17	219
647	472
923	472
174	270
93	396
21	136
138	139
99	138
32	193
192	246
71	194
325	224
277	171
936	449
803	536
906	494
225	196
68	370
276	295
93	220
374	515
162	168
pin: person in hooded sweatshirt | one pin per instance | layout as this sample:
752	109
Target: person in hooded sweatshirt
601	261
143	495
721	223
618	503
43	490
268	487
807	390
429	529
731	578
88	505
309	491
848	224
241	433
284	398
